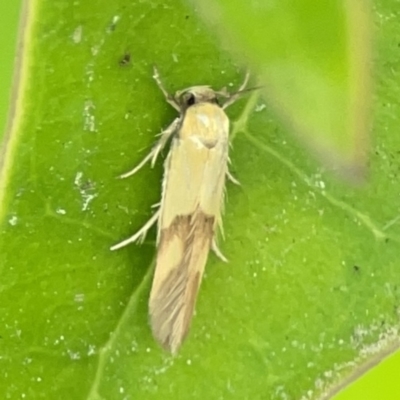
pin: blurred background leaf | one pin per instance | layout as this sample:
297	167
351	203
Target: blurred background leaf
313	60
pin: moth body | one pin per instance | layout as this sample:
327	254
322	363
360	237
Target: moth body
191	206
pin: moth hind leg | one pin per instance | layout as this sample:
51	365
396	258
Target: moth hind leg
140	234
217	251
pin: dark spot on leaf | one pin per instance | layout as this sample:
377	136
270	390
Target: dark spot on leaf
125	60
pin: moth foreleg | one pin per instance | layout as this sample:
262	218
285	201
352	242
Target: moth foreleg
140	234
234	97
155	151
170	99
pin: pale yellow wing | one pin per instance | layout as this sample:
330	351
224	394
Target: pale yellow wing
191	207
181	258
196	167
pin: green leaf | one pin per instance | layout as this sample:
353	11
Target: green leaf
312	287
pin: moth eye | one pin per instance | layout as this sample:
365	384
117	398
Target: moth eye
190	99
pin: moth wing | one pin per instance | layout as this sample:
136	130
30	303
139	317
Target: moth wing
196	167
191	207
181	259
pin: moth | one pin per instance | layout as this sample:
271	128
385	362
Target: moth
190	210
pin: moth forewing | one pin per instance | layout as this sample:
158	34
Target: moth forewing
190	209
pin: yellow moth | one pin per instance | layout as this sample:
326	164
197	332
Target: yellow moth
190	208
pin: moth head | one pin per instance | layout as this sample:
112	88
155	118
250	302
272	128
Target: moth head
195	95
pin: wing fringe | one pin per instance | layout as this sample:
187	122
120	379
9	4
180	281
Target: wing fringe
182	255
